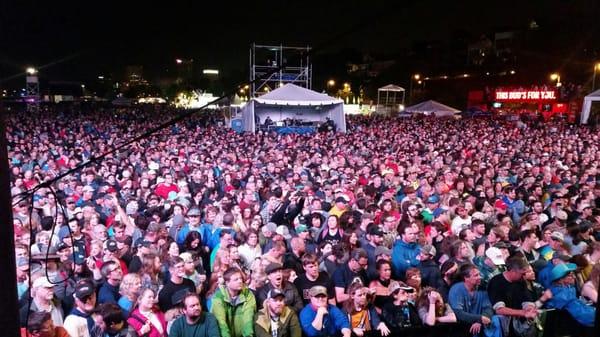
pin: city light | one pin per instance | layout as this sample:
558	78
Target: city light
100	77
31	71
178	61
210	72
512	72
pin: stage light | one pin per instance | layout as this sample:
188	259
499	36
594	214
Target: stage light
331	83
31	71
417	77
210	72
178	61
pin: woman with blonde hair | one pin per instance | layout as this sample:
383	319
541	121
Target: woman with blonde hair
129	289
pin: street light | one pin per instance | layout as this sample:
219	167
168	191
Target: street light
415	77
596	68
556	77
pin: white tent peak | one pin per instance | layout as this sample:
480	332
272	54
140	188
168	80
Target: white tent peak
291	94
391	87
432	108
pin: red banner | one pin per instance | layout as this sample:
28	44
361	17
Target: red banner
525	95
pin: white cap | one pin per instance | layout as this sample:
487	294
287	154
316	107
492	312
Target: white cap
495	254
42	281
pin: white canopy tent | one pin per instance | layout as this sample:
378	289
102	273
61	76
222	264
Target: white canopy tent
293	102
389	100
587	105
432	107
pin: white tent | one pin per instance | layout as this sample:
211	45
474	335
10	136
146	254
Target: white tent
390	99
587	105
293	102
432	107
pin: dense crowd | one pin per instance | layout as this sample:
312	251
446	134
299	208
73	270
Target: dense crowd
480	225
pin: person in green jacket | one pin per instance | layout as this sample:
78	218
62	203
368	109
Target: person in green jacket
234	306
276	319
194	322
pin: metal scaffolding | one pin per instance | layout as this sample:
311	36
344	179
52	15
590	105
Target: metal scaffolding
270	68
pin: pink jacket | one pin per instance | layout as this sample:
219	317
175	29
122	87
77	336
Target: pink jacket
137	320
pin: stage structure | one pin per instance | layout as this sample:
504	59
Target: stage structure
390	99
267	72
293	109
32	90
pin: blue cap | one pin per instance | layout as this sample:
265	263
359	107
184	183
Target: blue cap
561	270
433	199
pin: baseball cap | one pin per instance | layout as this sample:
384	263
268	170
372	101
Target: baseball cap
88	188
561	215
275	293
42	281
153	227
270	226
111	245
558	236
317	290
561	270
79	258
429	250
283	231
500	205
495	254
194	211
301	229
22	262
397	285
62	246
433	199
375	230
382	250
273	267
84	289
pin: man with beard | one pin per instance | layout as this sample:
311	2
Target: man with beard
276	319
194	322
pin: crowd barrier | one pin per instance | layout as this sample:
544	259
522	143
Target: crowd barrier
559	323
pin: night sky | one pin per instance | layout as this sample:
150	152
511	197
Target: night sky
79	41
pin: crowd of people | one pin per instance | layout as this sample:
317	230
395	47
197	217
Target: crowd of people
393	227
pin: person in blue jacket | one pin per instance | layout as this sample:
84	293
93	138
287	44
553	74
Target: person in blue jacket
321	319
565	297
405	251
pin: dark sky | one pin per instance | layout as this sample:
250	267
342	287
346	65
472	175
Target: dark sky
78	41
